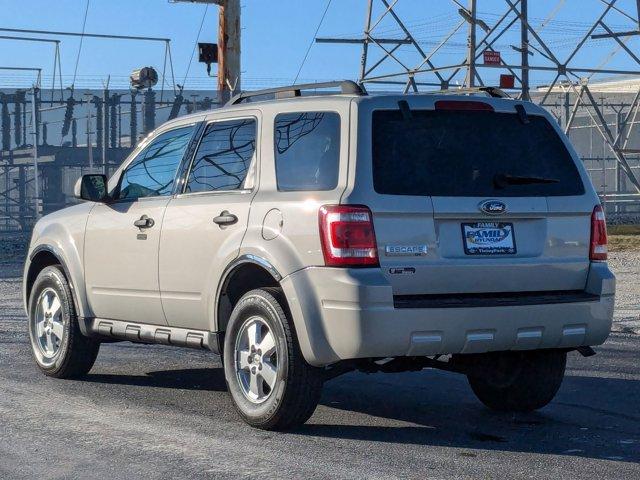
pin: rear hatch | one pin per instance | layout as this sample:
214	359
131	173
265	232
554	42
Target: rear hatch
471	199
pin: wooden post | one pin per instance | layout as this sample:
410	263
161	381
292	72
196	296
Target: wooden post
524	45
470	81
228	49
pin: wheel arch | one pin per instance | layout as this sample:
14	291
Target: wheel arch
244	274
43	256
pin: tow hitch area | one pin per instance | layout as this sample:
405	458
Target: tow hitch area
586	351
392	365
470	364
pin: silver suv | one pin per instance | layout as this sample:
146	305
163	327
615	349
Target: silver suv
306	236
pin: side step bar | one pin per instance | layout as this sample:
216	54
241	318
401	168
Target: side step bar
144	333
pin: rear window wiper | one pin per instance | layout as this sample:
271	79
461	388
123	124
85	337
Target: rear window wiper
501	180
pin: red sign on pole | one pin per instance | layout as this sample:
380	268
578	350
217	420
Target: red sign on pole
507	81
491	57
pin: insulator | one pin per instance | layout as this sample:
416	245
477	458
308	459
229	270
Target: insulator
175	107
68	116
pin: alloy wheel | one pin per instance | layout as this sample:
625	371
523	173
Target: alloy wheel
256	359
49	324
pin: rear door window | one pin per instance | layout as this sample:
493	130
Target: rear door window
470	153
307	151
224	156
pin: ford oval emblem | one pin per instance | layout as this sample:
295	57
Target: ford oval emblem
493	207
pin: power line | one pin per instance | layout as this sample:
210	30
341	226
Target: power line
195	46
312	40
84	24
85	34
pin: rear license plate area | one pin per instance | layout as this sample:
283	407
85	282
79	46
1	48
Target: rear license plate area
488	238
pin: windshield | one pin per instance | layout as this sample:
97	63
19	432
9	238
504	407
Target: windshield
470	153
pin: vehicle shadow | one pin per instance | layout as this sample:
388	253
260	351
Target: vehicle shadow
205	379
591	417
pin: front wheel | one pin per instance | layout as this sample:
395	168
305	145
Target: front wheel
59	348
272	386
518	381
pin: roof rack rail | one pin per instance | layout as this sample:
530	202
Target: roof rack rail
346	87
491	91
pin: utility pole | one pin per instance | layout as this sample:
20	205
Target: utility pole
524	48
618	171
567	108
89	139
105	128
228	49
228	46
34	131
471	47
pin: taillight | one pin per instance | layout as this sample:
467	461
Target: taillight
598	248
347	236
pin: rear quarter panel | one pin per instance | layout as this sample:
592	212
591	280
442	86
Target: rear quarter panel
283	226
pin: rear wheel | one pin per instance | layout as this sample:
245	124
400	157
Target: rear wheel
518	381
59	348
271	384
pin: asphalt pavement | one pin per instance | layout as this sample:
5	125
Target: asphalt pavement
163	412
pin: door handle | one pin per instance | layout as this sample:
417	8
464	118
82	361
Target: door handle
225	218
144	222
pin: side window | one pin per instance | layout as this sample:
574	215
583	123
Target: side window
153	171
307	150
224	156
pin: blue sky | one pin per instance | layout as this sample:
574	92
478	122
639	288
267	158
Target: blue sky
276	34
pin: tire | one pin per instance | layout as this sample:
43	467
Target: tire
519	381
59	348
269	392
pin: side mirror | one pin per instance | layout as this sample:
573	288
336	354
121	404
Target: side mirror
92	187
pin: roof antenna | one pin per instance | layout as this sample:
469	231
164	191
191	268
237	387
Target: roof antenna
406	111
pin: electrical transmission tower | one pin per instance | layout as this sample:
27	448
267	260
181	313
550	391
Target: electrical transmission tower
384	59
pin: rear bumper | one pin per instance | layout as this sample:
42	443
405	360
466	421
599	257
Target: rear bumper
343	314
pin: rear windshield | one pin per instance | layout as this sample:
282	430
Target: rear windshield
470	153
